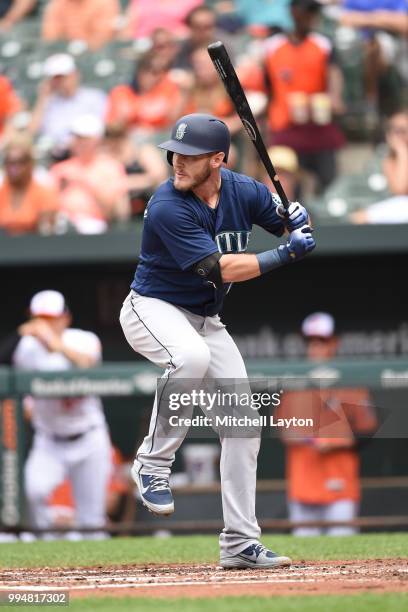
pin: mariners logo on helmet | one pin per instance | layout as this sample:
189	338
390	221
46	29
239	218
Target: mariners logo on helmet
181	130
196	134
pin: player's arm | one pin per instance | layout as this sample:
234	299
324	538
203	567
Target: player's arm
231	268
77	358
16	12
394	21
40	329
266	213
239	267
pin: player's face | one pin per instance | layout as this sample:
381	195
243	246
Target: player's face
320	349
57	324
304	19
191	171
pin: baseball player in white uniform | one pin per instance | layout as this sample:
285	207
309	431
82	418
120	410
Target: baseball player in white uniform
195	235
70	435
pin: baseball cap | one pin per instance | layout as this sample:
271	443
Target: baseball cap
318	325
59	64
48	303
87	126
284	158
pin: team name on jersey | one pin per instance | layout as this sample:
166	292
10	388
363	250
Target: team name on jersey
233	242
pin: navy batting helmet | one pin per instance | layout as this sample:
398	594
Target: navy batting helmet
196	134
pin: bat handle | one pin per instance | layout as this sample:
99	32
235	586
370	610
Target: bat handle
283	197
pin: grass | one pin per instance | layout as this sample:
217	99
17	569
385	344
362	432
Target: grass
362	602
194	549
204	549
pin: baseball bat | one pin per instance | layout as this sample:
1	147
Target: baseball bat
229	77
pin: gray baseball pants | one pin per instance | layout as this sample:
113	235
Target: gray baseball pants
191	346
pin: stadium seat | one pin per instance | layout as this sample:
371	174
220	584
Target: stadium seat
352	192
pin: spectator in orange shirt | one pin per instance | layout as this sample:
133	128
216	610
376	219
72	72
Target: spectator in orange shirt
25	204
150	103
92	185
208	94
9	102
322	463
93	21
13	11
305	91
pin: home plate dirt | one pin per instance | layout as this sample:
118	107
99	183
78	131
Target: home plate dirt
303	577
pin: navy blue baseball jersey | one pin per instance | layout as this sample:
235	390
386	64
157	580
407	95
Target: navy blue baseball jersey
181	230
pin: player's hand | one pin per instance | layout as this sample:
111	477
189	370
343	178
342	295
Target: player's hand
40	329
296	216
300	243
45	90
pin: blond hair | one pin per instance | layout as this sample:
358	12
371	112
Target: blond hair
20	140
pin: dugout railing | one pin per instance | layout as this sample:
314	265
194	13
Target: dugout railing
139	379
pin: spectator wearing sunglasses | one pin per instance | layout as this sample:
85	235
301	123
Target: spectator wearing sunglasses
26	205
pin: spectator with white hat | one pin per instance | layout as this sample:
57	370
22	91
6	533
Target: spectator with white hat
61	99
322	463
92	184
70	434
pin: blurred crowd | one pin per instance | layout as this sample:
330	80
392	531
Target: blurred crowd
82	157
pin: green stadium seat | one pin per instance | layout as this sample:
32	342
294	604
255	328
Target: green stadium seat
105	70
27	30
352	192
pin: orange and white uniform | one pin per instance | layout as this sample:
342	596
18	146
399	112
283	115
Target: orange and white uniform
61	502
322	464
71	437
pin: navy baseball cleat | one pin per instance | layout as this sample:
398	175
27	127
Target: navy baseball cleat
255	556
155	492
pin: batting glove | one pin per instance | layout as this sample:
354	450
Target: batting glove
300	243
296	215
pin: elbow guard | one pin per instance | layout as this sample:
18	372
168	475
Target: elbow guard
210	270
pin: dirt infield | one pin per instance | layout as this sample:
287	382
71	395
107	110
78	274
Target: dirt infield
302	578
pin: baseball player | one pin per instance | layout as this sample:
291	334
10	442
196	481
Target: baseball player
70	435
322	471
196	231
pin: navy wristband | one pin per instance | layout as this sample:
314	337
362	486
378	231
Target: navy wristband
275	258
